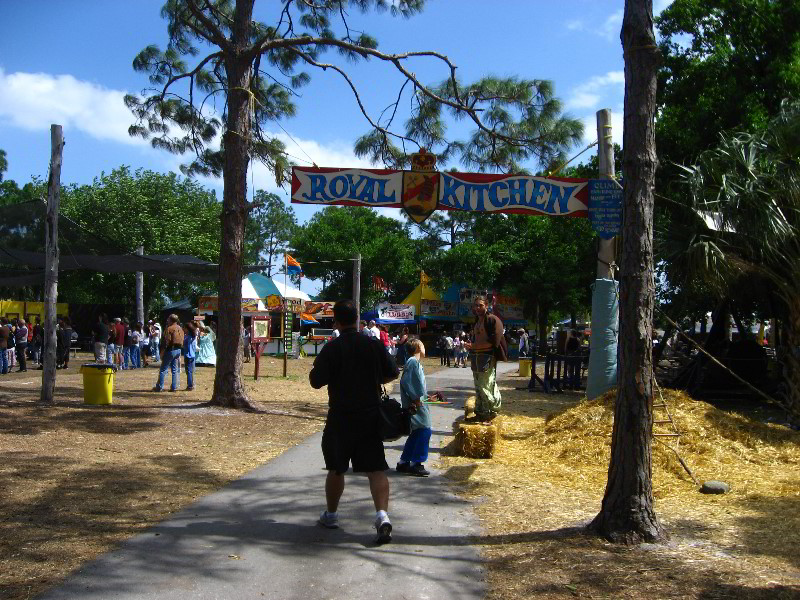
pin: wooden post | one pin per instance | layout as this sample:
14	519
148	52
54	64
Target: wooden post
357	286
605	162
140	290
51	266
602	374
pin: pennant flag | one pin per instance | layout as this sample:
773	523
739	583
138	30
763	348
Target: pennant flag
379	285
292	266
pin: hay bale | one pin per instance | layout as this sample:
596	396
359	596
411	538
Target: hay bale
477	440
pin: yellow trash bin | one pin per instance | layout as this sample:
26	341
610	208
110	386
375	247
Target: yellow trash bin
524	367
98	383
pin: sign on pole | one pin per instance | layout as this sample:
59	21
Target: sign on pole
605	207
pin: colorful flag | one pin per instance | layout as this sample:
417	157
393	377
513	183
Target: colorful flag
379	285
292	266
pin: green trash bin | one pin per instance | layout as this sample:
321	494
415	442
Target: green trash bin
98	383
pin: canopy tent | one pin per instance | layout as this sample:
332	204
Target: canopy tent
256	288
22	246
418	294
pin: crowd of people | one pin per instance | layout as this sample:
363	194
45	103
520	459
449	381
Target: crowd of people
175	346
22	341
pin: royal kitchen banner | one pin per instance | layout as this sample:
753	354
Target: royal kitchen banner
422	193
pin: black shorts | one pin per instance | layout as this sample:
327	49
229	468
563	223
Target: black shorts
353	438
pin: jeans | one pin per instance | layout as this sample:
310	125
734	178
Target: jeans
126	354
3	361
154	348
171	358
189	363
136	357
111	350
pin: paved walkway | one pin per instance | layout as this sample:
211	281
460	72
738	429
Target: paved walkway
258	537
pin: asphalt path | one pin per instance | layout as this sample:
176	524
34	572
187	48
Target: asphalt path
258	537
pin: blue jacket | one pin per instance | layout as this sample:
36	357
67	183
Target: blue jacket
412	387
188	345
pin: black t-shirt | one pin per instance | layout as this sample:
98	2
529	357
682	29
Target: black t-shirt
100	331
353	367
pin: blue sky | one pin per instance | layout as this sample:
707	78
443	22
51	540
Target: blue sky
70	63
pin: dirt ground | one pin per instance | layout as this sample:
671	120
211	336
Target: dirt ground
740	545
75	479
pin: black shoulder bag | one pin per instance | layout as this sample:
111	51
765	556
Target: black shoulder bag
395	421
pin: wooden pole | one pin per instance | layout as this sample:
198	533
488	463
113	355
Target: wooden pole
605	162
140	290
357	286
51	266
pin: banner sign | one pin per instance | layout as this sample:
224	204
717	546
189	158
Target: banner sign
319	310
437	308
474	192
274	302
508	313
395	312
211	303
293	304
288	323
605	207
352	187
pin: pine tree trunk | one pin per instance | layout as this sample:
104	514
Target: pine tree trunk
228	388
627	513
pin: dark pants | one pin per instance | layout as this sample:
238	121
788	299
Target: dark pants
23	366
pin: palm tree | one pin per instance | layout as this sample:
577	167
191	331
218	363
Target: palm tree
747	193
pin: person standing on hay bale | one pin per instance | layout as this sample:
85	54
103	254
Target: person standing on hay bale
353	367
413	394
487	347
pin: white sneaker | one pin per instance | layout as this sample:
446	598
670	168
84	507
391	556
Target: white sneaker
329	520
384	528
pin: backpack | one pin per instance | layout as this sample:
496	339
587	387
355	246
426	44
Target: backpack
501	350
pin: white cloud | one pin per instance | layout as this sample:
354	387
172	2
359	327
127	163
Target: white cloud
35	100
590	93
612	26
576	25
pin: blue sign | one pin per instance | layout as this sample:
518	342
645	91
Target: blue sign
605	207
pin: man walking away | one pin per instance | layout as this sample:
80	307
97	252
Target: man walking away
353	367
171	355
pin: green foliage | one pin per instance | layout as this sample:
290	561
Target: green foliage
163	212
727	64
747	192
269	230
338	234
519	120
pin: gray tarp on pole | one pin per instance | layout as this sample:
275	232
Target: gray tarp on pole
604	341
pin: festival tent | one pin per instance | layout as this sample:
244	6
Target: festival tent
418	294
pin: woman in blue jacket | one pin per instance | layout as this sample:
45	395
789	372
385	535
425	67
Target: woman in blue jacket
413	394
